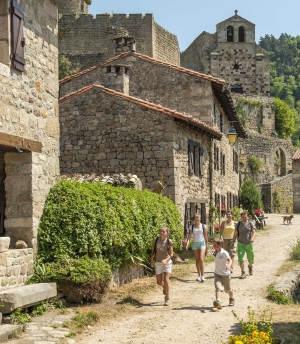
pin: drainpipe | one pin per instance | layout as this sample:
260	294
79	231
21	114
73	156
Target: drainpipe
210	171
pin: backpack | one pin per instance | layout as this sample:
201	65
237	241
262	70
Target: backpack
203	227
168	248
238	226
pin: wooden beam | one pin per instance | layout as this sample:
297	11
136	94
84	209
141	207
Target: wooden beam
20	142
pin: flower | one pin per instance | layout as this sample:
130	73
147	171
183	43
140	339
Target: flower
258	212
217	227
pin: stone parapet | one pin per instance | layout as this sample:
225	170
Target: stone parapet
277	195
289	284
16	266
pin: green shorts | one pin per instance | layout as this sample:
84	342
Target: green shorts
245	248
198	245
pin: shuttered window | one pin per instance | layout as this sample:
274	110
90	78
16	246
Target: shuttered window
18	40
216	158
195	158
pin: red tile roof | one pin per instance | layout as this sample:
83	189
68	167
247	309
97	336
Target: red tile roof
296	155
149	59
186	118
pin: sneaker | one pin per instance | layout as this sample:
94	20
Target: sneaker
198	279
243	275
202	279
250	267
217	304
166	301
231	301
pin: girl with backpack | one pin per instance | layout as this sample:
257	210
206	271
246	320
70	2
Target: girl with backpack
163	252
199	245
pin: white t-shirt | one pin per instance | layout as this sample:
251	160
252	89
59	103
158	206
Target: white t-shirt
198	234
221	262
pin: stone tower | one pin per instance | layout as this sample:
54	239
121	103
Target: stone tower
72	7
231	54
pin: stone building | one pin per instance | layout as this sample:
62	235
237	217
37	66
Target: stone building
136	114
86	41
296	181
232	54
29	127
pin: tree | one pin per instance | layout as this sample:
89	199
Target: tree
66	68
284	119
249	196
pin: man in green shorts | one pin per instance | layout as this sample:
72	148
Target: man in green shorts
245	234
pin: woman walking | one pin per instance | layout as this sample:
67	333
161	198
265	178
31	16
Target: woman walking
163	252
199	245
226	233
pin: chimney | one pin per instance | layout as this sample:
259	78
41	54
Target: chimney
117	78
124	44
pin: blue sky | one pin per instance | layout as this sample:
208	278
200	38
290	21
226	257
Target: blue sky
187	19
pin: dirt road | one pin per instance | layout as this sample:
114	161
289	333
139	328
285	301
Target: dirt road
191	318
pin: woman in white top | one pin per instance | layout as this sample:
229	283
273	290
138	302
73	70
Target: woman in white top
199	246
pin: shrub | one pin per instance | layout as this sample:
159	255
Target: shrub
81	279
295	253
254	331
284	118
277	296
249	196
101	221
277	201
254	164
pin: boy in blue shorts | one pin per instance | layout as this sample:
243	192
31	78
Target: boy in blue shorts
222	272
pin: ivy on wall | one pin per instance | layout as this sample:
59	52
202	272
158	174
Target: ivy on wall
253	105
100	221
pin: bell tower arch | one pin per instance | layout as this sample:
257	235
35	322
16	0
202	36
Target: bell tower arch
72	7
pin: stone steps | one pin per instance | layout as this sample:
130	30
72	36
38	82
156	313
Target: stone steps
9	331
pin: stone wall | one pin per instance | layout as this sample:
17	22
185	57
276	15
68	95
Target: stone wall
275	155
261	119
107	134
16	266
88	35
296	185
155	82
282	189
72	6
29	113
195	55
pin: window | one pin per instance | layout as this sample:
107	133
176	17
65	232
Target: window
221	123
222	160
195	158
191	208
215	114
18	40
217	200
236	89
230	34
216	157
235	159
241	34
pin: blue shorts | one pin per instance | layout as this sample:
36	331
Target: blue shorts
198	245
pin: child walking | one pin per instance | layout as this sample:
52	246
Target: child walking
163	250
199	246
222	272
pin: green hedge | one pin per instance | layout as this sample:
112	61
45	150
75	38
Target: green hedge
101	221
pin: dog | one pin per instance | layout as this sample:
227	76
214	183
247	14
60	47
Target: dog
288	219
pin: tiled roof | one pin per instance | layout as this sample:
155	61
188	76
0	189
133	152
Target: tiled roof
149	59
296	155
182	117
